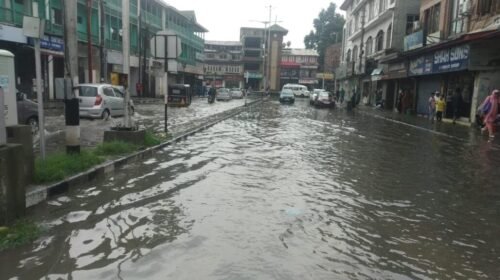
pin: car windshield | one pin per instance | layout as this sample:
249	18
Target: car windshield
87	91
324	94
287	93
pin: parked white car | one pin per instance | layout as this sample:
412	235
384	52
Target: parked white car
223	94
236	93
101	101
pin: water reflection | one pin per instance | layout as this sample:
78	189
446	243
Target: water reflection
282	192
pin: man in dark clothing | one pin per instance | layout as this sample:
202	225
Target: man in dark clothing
456	103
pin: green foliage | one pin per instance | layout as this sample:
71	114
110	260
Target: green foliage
115	148
57	166
151	139
22	232
328	30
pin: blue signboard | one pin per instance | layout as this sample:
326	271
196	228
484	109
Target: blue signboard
454	59
414	41
50	43
442	61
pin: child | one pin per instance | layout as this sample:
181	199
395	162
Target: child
440	104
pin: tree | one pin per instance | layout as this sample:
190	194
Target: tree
328	30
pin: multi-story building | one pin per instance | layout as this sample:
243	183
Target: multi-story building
453	48
224	64
299	66
373	30
146	19
262	67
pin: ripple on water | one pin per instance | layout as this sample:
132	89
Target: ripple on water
282	193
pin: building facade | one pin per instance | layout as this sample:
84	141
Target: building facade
453	49
224	64
147	75
373	29
299	66
262	48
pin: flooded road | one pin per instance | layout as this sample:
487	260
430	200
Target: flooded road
282	192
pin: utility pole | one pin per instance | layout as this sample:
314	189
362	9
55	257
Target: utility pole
89	39
268	55
101	48
72	106
126	59
140	45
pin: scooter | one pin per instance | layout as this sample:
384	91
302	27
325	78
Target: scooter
211	96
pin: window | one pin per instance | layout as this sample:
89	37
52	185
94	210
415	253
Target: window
356	22
369	46
381	6
388	36
56	17
108	92
457	19
379	41
348	56
410	20
371	5
223	56
484	7
355	53
432	18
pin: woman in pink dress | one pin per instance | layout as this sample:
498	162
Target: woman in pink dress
491	115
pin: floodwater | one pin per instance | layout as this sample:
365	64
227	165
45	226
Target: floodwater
281	192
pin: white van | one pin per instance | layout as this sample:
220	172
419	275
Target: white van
298	90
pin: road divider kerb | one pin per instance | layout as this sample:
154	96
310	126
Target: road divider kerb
40	193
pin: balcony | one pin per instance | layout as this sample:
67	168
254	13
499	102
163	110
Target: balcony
414	41
10	16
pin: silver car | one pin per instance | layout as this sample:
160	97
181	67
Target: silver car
223	94
27	111
101	101
236	93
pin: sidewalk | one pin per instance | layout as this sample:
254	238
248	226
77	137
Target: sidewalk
460	131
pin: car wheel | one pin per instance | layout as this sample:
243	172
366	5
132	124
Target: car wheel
105	115
33	122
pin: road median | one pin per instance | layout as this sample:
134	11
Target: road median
36	194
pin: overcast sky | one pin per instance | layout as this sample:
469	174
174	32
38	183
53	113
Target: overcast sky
223	18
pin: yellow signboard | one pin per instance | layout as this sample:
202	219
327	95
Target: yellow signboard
326	76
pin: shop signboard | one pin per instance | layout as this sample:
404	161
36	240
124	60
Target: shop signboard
442	61
454	59
414	41
50	43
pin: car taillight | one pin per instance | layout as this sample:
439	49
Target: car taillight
98	100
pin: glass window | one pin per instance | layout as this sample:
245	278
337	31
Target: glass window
379	41
369	46
108	92
432	18
87	91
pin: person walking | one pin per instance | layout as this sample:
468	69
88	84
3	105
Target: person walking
440	105
456	102
490	111
342	95
432	107
400	101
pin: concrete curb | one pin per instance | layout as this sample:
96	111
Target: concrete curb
38	194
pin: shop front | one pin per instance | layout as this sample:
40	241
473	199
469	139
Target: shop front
446	71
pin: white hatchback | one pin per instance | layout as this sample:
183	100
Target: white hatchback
101	101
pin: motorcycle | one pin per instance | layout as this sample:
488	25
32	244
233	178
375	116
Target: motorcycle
211	96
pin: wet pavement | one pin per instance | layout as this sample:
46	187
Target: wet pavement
149	116
282	192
